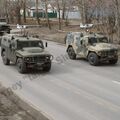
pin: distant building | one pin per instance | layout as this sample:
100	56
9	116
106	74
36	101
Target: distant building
72	13
52	13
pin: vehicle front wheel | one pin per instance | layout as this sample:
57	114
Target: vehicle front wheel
113	61
21	66
6	61
47	67
93	59
71	53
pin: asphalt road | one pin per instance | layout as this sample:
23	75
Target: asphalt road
73	90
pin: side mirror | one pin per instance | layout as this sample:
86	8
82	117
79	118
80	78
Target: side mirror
46	44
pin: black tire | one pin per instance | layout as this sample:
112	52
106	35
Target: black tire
21	66
71	53
47	68
93	59
114	61
6	61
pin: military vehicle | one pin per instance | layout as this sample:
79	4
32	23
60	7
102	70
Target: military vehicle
93	47
25	52
4	27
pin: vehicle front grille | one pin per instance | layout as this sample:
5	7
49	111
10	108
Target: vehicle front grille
37	59
109	53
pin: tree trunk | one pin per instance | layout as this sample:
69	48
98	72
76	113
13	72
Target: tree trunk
81	4
24	10
47	18
118	18
63	13
59	21
37	13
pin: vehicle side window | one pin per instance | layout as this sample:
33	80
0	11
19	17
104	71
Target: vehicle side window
84	41
92	41
81	42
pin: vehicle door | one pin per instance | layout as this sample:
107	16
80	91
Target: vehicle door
84	47
69	39
12	51
77	45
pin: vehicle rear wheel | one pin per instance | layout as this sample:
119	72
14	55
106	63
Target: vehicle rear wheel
47	68
113	61
71	53
6	61
21	66
93	59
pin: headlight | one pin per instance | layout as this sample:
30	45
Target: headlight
47	57
27	59
51	57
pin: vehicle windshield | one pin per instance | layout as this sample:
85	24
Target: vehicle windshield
93	40
23	44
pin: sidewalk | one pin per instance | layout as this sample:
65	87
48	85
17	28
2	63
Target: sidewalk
12	108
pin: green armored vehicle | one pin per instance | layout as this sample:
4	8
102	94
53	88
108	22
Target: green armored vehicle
25	52
93	47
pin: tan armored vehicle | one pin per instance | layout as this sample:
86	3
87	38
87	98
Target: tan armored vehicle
93	47
25	52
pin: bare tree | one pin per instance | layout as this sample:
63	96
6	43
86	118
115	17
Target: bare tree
37	13
117	10
18	8
46	12
59	13
81	5
63	9
24	10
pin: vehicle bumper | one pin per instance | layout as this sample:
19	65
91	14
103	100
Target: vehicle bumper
107	58
38	65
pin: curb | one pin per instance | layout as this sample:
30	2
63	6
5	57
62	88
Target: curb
27	107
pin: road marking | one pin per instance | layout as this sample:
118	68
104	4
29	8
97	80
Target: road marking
116	82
